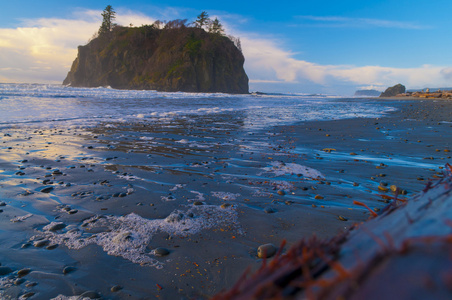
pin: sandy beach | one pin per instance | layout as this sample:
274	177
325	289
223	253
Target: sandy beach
145	211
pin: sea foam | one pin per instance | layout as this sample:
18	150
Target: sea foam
130	236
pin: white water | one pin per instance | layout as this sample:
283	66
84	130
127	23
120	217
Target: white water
37	103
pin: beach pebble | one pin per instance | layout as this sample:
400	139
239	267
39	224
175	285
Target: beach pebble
2	203
41	243
69	269
198	203
116	288
383	188
19	281
27	295
393	188
269	210
225	205
160	251
52	246
57	226
342	218
281	193
266	251
47	189
23	272
5	271
31	284
318	197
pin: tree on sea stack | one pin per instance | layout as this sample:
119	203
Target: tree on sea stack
202	20
216	27
109	15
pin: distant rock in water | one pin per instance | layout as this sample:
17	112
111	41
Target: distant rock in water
183	59
394	91
369	93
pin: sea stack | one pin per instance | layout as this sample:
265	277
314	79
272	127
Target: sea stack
186	59
394	91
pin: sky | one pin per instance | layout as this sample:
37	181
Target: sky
310	46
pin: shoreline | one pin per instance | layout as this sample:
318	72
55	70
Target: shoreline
240	172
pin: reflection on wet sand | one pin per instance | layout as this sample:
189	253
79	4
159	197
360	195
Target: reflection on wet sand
179	207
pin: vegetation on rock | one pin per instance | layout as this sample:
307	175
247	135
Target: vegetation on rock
164	56
394	91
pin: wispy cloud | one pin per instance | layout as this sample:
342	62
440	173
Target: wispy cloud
335	21
42	50
267	62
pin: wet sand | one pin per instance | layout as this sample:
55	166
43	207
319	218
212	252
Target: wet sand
209	190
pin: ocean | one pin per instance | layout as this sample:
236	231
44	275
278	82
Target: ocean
128	194
38	103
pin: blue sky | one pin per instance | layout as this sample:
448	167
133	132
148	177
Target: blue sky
326	46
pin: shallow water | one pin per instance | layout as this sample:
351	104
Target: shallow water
210	177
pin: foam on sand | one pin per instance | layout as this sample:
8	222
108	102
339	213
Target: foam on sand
128	236
281	169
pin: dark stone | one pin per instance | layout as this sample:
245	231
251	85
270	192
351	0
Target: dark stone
47	189
69	269
5	271
161	252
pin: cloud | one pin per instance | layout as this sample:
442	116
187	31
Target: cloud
334	21
267	62
42	50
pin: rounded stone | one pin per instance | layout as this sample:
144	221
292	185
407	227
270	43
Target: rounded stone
23	272
116	288
198	203
57	226
266	251
19	281
27	295
41	243
269	210
161	251
281	193
47	189
5	271
69	269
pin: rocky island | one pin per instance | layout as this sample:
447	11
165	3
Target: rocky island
171	56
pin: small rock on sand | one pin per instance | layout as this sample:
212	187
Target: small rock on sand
266	251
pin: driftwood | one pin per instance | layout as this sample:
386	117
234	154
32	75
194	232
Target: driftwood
404	253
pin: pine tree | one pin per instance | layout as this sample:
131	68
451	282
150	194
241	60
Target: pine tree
109	15
202	20
216	27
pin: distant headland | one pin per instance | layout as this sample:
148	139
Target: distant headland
165	56
399	91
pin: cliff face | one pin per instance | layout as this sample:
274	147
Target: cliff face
179	59
394	90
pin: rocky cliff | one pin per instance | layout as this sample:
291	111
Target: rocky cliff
178	59
367	93
394	91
